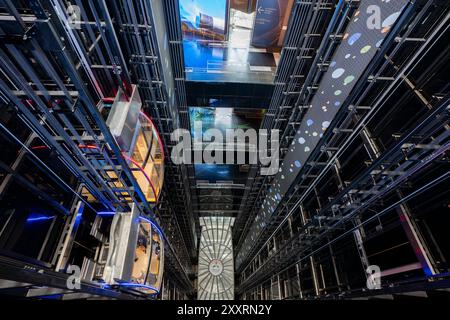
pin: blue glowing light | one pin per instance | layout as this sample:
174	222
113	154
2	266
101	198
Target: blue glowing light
78	219
138	285
38	217
106	213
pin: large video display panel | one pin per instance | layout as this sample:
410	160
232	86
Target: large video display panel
221	119
204	18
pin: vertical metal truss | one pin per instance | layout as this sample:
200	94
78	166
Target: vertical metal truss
42	81
55	75
278	187
216	261
384	175
189	201
171	291
135	21
375	183
314	31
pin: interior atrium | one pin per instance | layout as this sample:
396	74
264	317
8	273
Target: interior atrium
117	182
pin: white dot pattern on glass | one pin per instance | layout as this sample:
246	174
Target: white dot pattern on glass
358	48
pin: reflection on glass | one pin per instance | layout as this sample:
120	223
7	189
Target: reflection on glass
142	255
148	262
154	278
147	160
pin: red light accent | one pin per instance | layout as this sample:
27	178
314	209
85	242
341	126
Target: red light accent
142	170
81	146
114	91
157	134
108	100
39	147
27	101
128	89
88	146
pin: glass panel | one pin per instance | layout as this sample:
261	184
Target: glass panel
143	252
148	160
153	278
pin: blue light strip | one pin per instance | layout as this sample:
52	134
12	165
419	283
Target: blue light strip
43	218
106	213
138	285
439	275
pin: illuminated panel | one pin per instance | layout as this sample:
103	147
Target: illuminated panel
354	54
271	15
215	260
139	141
143	253
148	260
136	253
204	18
147	160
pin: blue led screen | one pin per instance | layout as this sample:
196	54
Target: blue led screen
222	119
268	22
218	172
204	18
